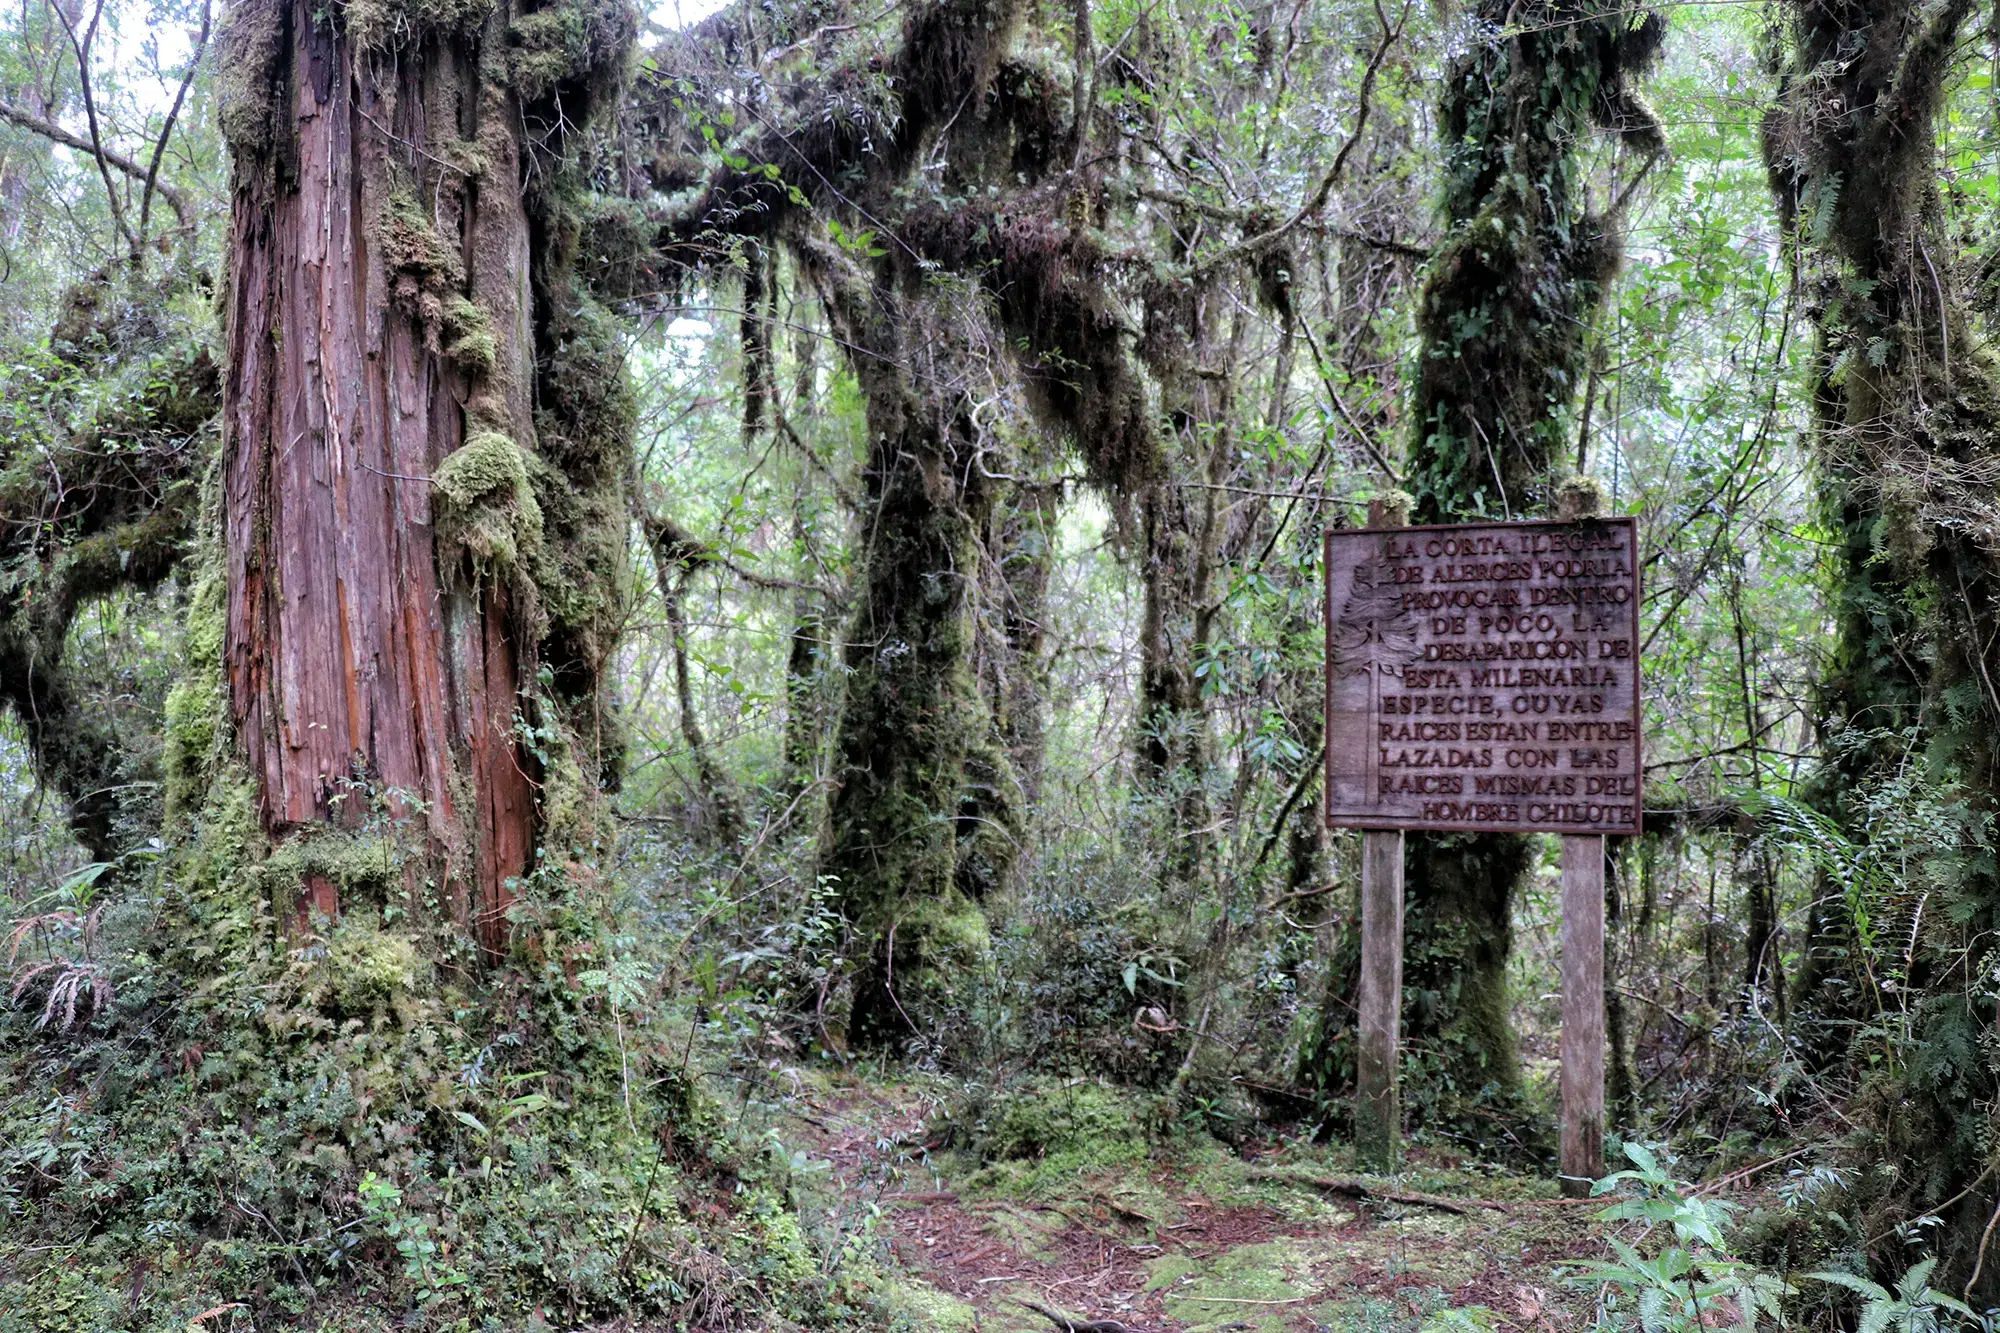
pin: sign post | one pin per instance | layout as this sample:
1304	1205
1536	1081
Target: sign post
1484	678
1582	1013
1378	1110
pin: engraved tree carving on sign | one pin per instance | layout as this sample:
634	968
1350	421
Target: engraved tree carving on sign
1372	636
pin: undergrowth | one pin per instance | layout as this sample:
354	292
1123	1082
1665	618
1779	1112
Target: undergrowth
344	1126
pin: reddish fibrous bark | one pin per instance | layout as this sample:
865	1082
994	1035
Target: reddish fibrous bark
367	669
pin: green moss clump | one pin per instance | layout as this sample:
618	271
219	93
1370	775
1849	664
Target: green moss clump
416	254
367	970
1229	1291
482	504
991	817
384	25
470	157
466	336
1050	1116
347	860
194	707
571	47
917	1305
250	58
942	949
427	281
574	828
1042	1135
543	53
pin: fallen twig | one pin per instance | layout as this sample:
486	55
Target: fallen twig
1126	1210
1710	1186
1245	1300
1355	1189
1064	1324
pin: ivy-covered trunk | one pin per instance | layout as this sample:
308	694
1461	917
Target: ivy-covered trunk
1515	284
407	543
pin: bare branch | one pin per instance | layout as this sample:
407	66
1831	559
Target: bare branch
167	129
81	46
55	133
1316	201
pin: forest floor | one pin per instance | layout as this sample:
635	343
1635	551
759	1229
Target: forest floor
1194	1238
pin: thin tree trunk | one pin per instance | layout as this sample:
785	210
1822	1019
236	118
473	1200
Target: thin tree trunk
1022	547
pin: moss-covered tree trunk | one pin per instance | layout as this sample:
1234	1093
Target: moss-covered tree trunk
1907	410
1514	285
1020	553
923	815
390	575
1873	182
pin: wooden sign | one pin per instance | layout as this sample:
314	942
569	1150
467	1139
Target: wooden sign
1484	677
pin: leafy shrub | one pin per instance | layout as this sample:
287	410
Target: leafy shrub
1690	1282
1085	977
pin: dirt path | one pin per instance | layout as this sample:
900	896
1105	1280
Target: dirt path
1194	1243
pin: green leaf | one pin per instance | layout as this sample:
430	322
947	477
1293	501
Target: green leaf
1859	1285
1643	1158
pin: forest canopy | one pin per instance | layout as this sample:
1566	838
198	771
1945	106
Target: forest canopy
668	668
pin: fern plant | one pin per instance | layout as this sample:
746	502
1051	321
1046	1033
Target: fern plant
1915	1306
1692	1283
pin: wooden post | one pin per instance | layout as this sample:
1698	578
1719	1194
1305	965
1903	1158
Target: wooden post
1582	1012
1378	1109
1378	1113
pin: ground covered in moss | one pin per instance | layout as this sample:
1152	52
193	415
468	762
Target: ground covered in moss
1068	1195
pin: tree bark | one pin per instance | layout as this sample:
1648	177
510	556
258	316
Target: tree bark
389	586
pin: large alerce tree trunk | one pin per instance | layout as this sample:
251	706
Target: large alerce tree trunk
392	584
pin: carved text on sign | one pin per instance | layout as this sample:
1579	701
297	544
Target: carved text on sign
1484	677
